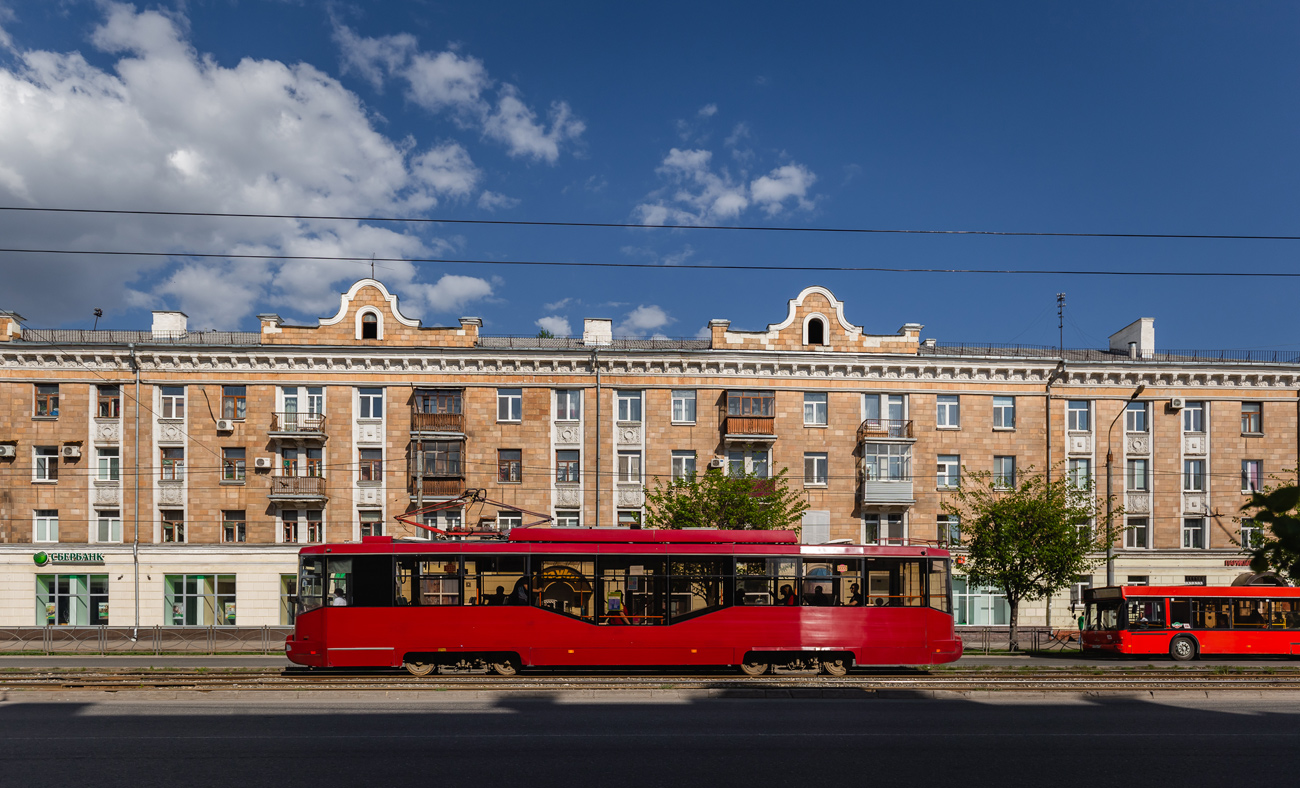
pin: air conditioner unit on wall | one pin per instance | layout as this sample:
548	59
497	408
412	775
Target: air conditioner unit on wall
717	462
8	451
71	450
1176	403
225	425
262	462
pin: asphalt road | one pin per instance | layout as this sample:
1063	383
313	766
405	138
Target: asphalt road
624	743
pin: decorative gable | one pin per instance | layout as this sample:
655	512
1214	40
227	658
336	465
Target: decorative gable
369	315
815	323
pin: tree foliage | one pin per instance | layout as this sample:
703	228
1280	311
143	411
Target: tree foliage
1278	549
717	500
1025	540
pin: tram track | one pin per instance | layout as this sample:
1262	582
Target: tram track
864	683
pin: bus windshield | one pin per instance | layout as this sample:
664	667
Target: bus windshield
1104	615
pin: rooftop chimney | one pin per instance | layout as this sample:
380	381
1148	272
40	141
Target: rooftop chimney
169	324
1137	339
597	331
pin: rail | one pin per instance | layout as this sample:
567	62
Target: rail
749	425
298	485
437	422
149	640
885	428
1095	355
288	421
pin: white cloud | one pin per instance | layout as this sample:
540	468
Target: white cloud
642	320
373	57
559	326
168	127
696	193
790	181
446	81
708	111
514	124
490	201
558	305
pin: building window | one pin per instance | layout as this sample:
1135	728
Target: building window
370	465
310	528
568	404
1194	417
566	465
629	518
369	326
108	526
1194	475
438	401
510	465
1194	533
1137	477
200	600
371	401
949	529
372	522
1135	533
886	406
629	467
1252	418
233	526
815	469
1004	472
172	401
46	526
684	407
173	526
978	605
887	529
949	411
747	461
110	402
234	463
949	474
109	465
1252	536
1252	475
751	403
288	599
46	468
510	404
814	409
683	465
72	600
441	458
289	526
1135	417
629	405
1138	580
1080	471
567	518
815	332
47	401
1077	412
1194	580
234	402
1004	413
172	466
886	462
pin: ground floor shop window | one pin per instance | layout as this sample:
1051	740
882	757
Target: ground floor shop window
71	600
978	605
200	600
288	599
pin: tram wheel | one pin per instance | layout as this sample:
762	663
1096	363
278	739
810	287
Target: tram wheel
1182	649
419	669
753	668
505	666
835	667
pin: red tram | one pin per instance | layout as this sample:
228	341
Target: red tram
622	597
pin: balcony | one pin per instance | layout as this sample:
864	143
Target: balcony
749	429
436	488
443	423
887	491
287	424
298	488
885	429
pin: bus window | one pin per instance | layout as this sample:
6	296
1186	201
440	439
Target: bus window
697	585
439	581
940	593
1286	614
564	585
1211	614
1104	615
1180	613
496	580
632	590
311	584
1144	614
1249	614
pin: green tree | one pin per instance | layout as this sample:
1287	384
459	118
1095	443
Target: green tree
717	500
545	334
1025	538
1278	546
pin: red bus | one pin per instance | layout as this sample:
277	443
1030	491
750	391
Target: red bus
615	597
1187	621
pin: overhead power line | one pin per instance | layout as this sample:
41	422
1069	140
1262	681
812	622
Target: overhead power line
367	259
636	226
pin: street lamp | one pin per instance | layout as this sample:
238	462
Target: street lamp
1110	501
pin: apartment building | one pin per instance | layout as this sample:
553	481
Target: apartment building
167	477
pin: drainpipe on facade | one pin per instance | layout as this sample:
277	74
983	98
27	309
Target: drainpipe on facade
595	363
135	537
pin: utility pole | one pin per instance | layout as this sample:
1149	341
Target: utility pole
1060	324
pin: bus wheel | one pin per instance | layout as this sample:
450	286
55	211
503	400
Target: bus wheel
419	668
752	668
1182	649
504	666
835	667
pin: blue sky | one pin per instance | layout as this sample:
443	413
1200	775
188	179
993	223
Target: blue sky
1110	117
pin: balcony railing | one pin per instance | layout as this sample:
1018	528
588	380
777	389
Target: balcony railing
750	425
873	429
307	424
436	488
887	491
437	422
297	487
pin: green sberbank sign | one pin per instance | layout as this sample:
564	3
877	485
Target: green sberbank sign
45	559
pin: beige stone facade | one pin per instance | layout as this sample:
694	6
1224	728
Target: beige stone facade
328	417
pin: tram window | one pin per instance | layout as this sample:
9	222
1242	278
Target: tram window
633	590
896	582
830	582
940	593
1145	614
1211	614
1285	614
564	585
371	584
338	589
697	586
1250	614
496	580
767	581
311	584
408	570
439	580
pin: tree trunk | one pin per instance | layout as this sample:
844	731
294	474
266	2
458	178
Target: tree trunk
1013	636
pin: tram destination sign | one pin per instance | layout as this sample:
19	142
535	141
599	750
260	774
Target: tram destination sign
44	558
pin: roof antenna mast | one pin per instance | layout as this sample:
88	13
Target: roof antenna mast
1060	324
